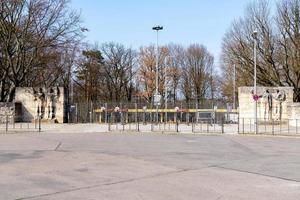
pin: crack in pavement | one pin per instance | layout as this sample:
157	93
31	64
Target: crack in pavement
256	173
58	145
108	184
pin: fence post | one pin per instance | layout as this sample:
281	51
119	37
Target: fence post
193	128
273	127
200	125
35	123
207	126
138	124
76	112
288	126
238	120
151	119
280	126
177	126
222	124
14	122
40	128
296	126
105	113
243	125
108	125
6	128
265	126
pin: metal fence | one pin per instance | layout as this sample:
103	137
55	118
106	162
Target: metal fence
8	125
272	127
91	112
179	124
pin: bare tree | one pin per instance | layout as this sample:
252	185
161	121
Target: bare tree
197	69
33	36
147	71
288	22
278	46
119	71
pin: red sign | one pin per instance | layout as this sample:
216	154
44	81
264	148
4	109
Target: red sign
255	97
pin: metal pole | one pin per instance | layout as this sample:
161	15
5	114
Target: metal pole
234	86
255	89
76	112
166	94
105	112
6	128
156	74
157	28
39	124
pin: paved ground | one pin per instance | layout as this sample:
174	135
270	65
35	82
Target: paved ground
94	166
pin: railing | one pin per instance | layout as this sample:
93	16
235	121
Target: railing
8	125
203	125
271	127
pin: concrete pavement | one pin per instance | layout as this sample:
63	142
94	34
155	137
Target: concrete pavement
148	166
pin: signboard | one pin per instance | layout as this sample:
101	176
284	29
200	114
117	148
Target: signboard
255	97
157	100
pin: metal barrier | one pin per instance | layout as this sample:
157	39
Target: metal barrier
9	125
271	127
194	126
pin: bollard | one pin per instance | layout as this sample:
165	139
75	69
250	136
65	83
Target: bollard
177	124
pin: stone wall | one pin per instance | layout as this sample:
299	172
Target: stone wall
47	103
247	104
294	114
6	109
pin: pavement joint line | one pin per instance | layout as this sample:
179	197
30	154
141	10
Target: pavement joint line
58	145
108	184
243	146
256	173
268	136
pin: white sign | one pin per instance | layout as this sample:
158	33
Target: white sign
157	100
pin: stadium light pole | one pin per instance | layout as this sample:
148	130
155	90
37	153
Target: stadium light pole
157	29
254	35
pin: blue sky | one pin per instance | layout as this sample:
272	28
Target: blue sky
185	22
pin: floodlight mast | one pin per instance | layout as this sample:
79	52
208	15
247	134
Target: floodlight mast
157	29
